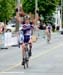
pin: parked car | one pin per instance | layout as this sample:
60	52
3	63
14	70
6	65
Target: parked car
61	31
11	27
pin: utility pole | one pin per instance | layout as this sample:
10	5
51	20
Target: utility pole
36	8
18	7
61	12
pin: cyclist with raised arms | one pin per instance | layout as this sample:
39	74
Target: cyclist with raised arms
27	27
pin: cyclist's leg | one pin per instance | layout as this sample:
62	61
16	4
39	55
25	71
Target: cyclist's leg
49	37
26	40
23	50
30	46
23	53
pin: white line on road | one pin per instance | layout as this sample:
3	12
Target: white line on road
12	72
41	54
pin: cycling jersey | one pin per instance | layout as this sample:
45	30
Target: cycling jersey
27	31
27	28
49	29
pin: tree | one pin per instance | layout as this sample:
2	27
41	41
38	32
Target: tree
7	9
46	7
29	6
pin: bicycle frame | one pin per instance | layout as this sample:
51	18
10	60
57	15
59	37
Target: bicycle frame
48	37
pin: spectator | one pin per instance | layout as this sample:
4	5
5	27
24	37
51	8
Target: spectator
53	28
1	27
57	28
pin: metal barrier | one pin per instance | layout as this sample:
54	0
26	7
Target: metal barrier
2	41
8	39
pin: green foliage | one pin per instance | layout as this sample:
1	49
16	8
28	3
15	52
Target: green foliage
28	6
62	24
46	7
7	9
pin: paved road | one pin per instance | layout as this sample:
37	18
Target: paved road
47	59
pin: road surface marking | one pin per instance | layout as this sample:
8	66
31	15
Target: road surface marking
12	72
42	53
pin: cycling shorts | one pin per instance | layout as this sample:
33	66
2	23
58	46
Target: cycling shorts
26	38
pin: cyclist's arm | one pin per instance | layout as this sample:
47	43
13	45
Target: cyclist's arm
18	18
46	31
35	20
32	26
18	14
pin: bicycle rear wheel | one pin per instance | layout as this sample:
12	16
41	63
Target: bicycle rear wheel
48	38
26	64
26	57
26	60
